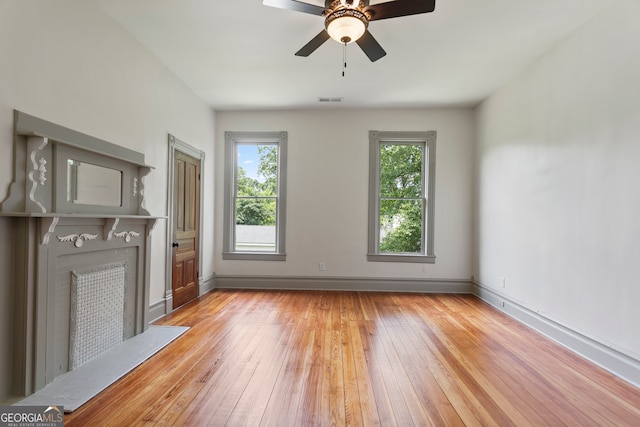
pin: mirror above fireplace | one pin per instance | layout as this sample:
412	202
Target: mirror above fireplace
89	184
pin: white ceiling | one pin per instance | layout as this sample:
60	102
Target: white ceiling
239	54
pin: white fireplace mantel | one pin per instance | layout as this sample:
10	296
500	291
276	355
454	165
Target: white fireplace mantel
77	204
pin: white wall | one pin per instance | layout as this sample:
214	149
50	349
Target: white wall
558	183
67	62
327	197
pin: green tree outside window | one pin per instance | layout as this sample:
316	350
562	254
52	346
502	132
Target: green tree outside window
401	198
256	197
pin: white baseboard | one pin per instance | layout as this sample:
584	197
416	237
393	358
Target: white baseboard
453	286
206	284
164	306
614	361
157	310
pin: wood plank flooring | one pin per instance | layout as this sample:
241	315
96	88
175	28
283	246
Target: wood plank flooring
314	358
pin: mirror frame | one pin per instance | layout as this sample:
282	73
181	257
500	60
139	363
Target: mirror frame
39	186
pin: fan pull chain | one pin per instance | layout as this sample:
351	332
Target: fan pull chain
344	57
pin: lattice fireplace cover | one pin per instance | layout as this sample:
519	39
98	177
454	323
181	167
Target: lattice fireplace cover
97	311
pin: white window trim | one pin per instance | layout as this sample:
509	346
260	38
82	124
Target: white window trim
376	138
231	139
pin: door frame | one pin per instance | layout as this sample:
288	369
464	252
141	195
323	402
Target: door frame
177	145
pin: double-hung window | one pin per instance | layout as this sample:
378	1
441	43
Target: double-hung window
401	196
255	196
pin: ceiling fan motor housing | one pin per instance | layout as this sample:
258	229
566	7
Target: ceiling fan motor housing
356	4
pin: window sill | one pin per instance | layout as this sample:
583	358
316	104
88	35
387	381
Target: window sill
253	256
422	259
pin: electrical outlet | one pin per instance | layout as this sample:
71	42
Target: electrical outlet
322	266
503	282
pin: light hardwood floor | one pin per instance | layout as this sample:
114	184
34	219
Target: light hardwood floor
298	358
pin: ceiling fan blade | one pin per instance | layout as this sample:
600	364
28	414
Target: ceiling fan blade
295	5
395	9
315	43
370	46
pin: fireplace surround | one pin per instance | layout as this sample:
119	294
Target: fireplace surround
81	248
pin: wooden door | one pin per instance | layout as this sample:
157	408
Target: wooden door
186	228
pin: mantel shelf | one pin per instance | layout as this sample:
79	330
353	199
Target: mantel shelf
76	215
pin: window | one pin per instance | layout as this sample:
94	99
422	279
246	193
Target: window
255	196
401	190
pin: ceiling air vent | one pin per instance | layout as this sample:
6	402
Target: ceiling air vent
329	99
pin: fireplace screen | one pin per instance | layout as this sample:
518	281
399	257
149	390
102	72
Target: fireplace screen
97	312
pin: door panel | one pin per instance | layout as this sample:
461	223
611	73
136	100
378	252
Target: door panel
185	229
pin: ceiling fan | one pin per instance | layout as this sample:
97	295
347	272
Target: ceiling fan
346	21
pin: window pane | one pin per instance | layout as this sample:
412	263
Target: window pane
401	171
257	173
257	188
255	224
401	226
255	196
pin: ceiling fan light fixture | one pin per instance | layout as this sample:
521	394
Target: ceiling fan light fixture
346	25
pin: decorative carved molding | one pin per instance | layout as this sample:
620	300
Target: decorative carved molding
151	224
142	190
110	227
42	178
36	170
127	235
78	239
110	231
135	186
48	223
